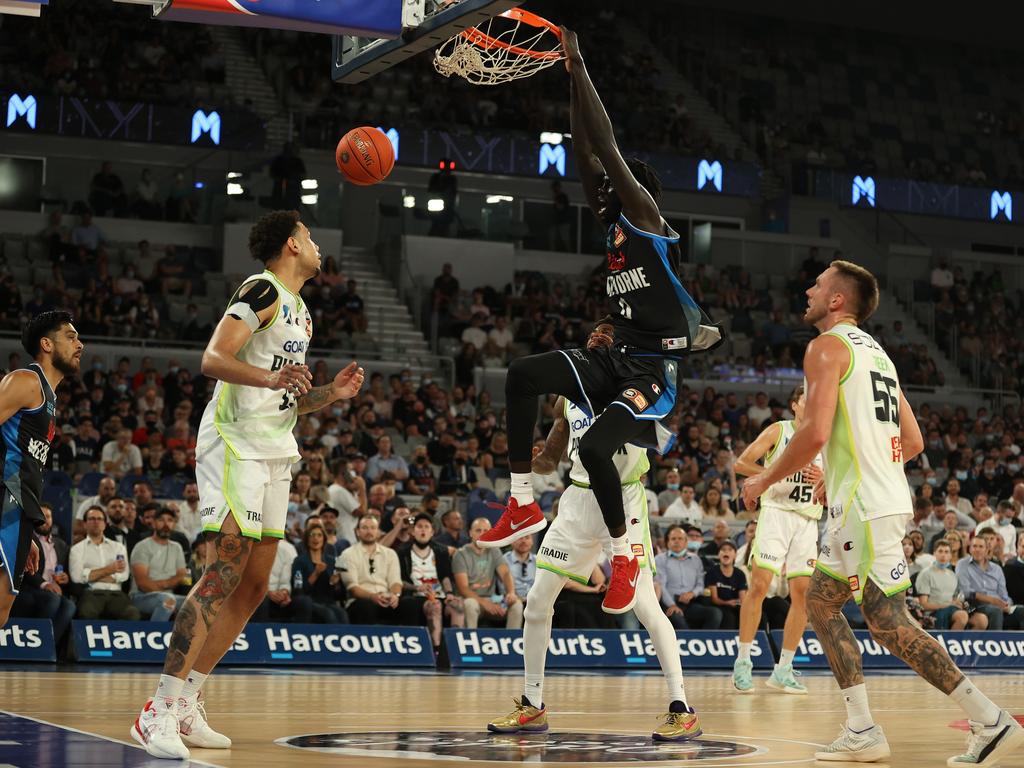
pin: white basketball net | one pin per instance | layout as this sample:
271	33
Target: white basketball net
508	47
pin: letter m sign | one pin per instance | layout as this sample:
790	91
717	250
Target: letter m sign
206	123
1001	201
551	155
709	171
18	107
863	188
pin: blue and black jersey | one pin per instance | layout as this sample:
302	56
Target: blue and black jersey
25	447
650	309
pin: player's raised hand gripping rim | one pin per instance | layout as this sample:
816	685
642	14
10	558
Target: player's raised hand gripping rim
571	47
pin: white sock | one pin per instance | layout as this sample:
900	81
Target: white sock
168	691
620	545
534	690
786	658
975	703
858	714
193	682
522	488
744	652
676	688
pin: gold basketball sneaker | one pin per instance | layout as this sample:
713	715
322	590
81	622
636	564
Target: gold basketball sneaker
678	726
525	718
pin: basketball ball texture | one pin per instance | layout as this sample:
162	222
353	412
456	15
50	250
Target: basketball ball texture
365	156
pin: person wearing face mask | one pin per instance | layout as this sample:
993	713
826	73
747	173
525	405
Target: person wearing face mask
672	487
680	572
1004	524
938	594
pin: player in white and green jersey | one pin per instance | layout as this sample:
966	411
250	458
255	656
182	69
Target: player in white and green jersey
244	452
786	538
859	420
571	549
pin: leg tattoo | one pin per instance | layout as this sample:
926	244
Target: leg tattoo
891	625
825	600
200	608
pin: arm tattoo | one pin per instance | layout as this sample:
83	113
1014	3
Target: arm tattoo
200	609
555	445
891	625
825	600
315	399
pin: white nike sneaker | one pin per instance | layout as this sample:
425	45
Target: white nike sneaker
195	730
156	729
852	747
988	744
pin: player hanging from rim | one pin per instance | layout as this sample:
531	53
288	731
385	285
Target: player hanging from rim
656	322
571	549
244	452
787	535
857	417
27	404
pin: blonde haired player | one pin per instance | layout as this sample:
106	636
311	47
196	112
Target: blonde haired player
860	421
787	537
572	548
244	453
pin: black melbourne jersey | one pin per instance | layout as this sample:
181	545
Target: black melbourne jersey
650	309
27	437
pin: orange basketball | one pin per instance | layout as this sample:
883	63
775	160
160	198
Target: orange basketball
365	156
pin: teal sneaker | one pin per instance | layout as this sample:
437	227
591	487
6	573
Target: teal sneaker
784	679
742	680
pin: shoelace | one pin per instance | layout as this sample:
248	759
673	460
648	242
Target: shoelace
619	567
167	722
840	742
674	718
975	742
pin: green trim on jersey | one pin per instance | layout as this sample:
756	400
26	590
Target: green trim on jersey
849	346
545	565
778	441
276	279
842	469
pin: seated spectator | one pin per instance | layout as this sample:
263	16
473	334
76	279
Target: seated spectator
372	576
421	476
720	534
477	571
158	567
400	534
958	504
316	580
937	593
746	535
427	586
984	585
147	204
578	606
329	520
120	457
921	558
106	490
685	510
672	490
950	521
106	192
957	546
148	514
353	309
474	334
42	593
1014	573
347	494
121	526
714	506
680	573
1004	524
453	533
728	585
86	236
279	604
100	565
386	461
457	477
523	564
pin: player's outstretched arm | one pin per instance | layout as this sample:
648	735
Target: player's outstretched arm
637	204
826	357
747	464
546	462
589	168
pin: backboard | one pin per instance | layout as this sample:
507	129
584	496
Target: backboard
427	24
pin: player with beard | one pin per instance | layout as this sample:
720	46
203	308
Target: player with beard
244	453
628	385
858	418
27	405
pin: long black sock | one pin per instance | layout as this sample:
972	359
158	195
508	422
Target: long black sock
528	378
609	432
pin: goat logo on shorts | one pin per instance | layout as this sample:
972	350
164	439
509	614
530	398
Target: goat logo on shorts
636	398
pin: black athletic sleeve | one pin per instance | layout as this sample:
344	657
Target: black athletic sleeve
251	298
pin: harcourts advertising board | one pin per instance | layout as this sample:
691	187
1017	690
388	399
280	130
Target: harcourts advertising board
278	644
570	648
969	650
27	640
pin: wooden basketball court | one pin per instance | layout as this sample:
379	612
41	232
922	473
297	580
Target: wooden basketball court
399	718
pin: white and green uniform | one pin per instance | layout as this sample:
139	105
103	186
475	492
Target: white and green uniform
575	539
246	446
787	528
868	494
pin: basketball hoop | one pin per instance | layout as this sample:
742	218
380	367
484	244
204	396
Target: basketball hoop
510	46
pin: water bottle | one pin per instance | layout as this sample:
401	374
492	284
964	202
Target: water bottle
297	582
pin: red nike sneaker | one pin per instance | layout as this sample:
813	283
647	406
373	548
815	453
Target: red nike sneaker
621	594
514	523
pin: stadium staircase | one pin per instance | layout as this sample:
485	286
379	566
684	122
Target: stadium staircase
245	77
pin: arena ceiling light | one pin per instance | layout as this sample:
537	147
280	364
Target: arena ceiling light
551	137
310	184
235	189
234	175
499	199
310	199
409	201
435	205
